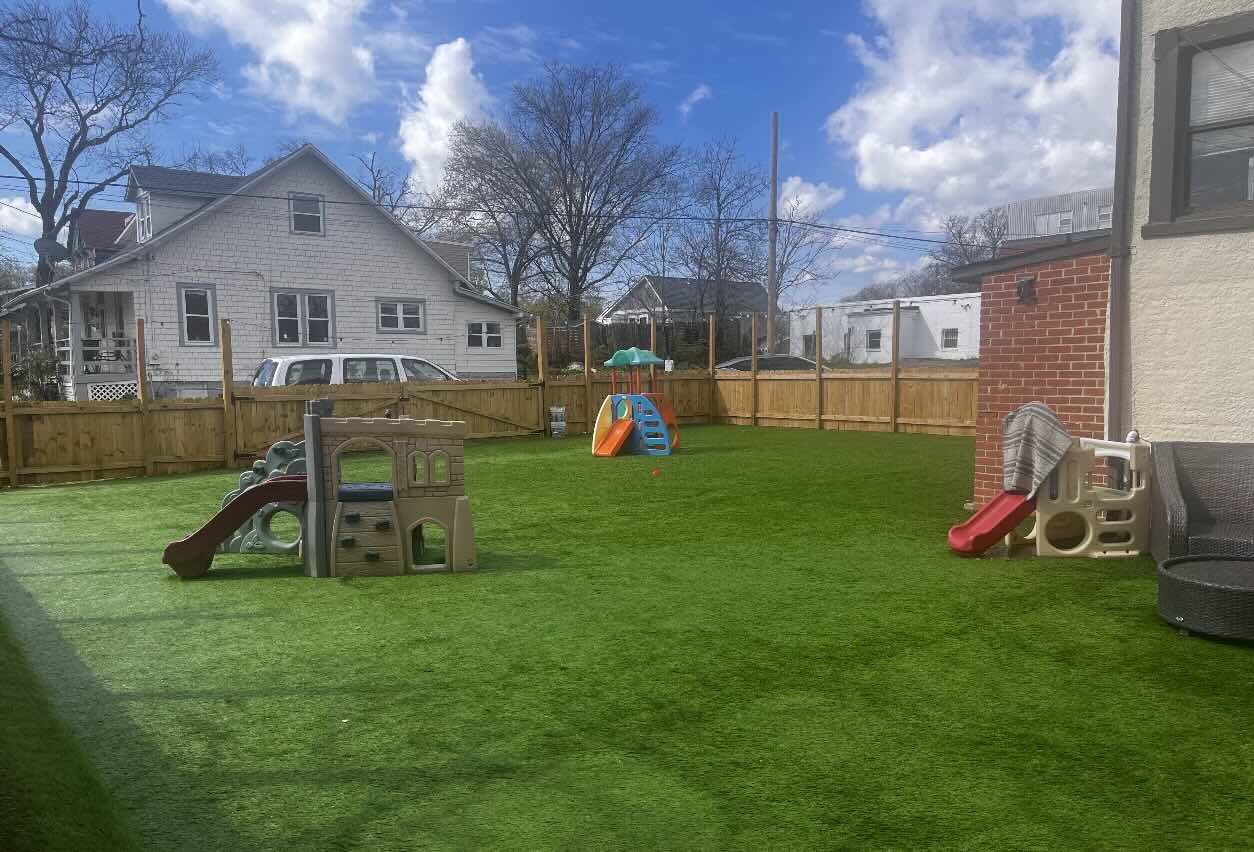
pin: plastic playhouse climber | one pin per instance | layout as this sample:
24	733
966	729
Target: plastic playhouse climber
633	421
347	529
1057	477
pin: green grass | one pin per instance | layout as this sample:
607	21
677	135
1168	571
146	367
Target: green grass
765	646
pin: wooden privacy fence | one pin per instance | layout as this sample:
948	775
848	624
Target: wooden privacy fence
65	441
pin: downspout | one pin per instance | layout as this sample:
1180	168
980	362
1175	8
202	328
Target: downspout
1121	225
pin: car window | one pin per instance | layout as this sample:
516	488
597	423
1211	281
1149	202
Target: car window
786	362
421	371
370	370
315	371
265	373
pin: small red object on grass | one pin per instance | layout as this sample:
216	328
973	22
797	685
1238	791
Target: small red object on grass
657	472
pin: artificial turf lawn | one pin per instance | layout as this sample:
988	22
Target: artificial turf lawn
765	646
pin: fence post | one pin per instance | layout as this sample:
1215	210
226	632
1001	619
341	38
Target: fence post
145	395
818	368
653	348
10	417
587	375
228	394
753	370
541	367
892	370
712	349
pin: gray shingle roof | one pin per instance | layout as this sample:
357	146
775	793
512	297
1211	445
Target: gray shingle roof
182	181
690	294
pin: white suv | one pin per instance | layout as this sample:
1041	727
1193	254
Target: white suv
347	369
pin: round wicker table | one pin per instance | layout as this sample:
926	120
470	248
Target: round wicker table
1208	594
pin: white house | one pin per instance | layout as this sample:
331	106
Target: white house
295	255
944	327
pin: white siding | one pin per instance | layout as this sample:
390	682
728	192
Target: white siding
1187	371
923	321
246	250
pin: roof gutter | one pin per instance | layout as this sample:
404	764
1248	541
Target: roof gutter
1120	238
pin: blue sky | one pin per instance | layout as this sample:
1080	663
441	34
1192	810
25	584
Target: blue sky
893	112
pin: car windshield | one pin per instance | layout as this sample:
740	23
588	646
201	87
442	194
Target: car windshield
370	370
265	373
421	371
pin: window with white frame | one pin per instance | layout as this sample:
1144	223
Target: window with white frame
143	220
483	334
874	337
401	317
301	318
307	214
949	338
197	315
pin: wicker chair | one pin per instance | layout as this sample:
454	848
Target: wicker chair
1203	501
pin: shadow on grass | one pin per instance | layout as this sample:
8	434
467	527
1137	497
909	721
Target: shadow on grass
246	571
98	716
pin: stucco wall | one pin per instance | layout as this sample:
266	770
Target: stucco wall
922	321
246	250
1189	366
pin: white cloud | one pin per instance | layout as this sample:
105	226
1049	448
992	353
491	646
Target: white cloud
652	67
806	198
452	92
19	221
313	56
967	104
696	96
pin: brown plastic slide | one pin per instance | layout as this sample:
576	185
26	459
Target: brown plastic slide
192	557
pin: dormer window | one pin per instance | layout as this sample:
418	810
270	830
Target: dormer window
307	213
143	219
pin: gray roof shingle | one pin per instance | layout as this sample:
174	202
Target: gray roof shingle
692	294
182	181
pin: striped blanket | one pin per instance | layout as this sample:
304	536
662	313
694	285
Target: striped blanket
1033	443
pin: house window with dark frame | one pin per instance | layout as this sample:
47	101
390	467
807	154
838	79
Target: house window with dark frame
307	214
401	317
196	315
874	337
807	345
949	338
483	334
1202	155
301	318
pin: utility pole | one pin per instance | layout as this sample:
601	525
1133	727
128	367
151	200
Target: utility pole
772	279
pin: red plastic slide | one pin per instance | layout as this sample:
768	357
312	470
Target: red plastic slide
991	523
192	557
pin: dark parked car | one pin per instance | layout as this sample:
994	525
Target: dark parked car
768	362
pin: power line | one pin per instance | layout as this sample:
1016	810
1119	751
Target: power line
18	209
434	208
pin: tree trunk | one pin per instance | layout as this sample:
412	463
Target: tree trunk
574	300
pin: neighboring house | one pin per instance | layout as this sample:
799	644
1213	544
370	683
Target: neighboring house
98	235
945	327
1182	278
683	300
1033	219
295	255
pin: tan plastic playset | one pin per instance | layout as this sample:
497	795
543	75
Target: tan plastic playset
349	528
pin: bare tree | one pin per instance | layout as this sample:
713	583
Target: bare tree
486	208
967	239
399	194
231	161
84	90
578	149
724	241
803	249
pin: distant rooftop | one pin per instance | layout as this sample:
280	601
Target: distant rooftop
1065	213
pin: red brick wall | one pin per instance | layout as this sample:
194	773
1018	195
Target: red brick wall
1052	352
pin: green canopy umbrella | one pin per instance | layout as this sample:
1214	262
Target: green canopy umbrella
634	357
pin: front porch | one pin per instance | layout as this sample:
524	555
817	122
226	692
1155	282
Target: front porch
91	336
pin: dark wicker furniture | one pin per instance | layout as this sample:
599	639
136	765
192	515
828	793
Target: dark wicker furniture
1211	595
1203	500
